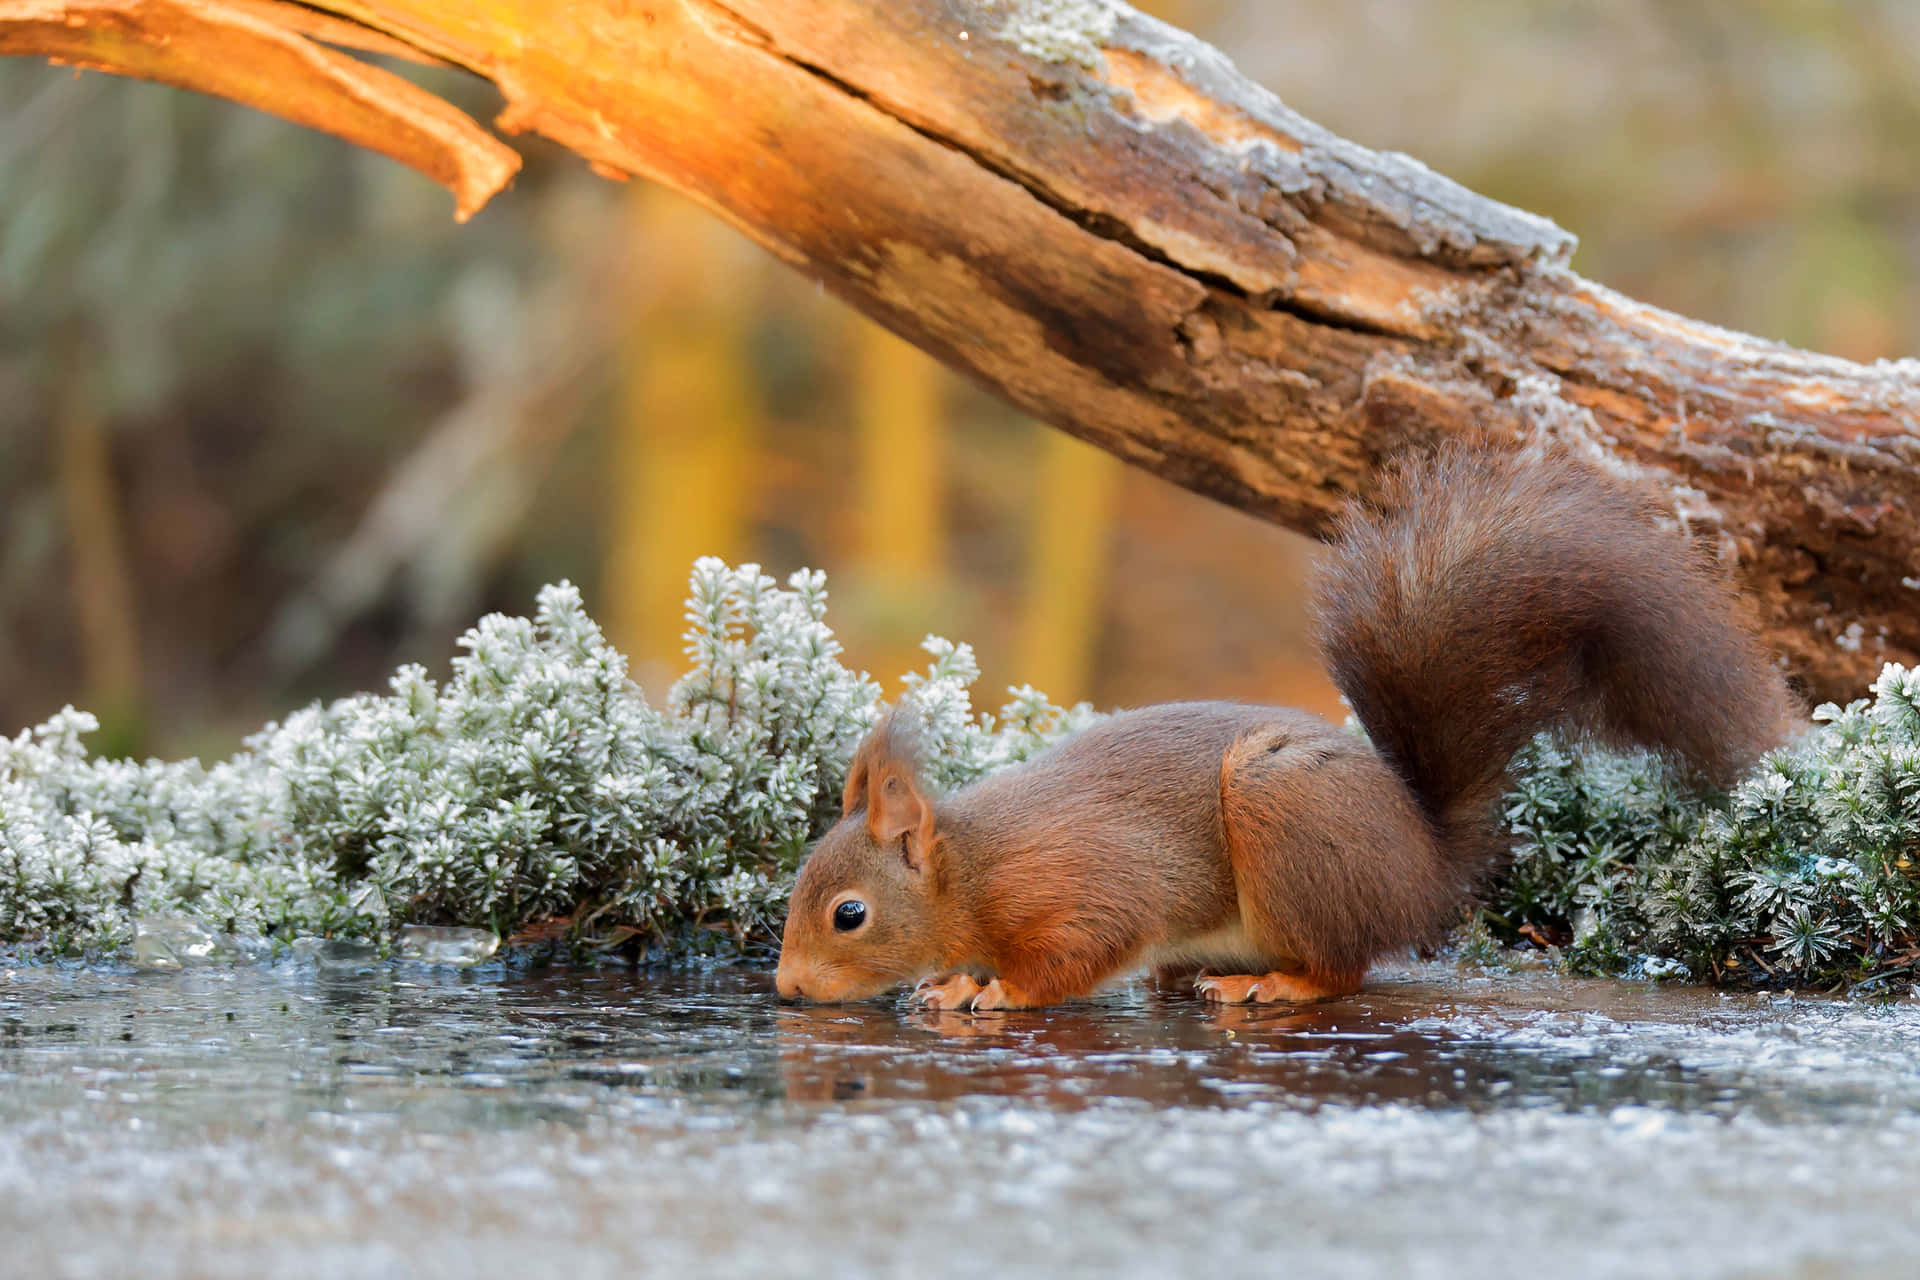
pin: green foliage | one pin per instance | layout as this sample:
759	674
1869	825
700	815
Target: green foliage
536	785
1803	875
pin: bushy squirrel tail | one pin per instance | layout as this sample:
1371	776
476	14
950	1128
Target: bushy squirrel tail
1483	596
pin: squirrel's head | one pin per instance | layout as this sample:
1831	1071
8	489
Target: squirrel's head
863	914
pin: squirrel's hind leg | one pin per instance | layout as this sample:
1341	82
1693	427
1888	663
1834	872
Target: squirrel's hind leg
1332	863
1275	987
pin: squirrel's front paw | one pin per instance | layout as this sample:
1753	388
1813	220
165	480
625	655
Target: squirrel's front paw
960	992
996	995
956	991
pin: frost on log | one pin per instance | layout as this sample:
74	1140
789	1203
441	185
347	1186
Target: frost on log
1097	216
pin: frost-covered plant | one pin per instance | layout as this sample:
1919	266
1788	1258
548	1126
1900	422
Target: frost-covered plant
1804	874
536	788
960	746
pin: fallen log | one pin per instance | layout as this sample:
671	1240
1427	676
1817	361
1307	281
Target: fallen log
1096	216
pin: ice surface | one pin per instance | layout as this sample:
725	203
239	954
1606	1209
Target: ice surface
405	1120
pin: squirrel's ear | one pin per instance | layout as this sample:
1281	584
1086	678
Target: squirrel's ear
896	808
884	779
855	794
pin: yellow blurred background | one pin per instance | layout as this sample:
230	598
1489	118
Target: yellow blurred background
271	424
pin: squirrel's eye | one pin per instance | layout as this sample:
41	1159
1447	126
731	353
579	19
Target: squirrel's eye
850	914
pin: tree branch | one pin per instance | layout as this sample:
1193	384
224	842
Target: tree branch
256	52
1096	216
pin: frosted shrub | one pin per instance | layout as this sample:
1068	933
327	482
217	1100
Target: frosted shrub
539	791
1804	874
960	746
537	787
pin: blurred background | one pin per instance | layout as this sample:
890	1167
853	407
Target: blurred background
272	424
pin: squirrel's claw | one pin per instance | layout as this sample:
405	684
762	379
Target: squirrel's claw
992	997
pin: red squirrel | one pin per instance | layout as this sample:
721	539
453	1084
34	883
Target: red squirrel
1480	597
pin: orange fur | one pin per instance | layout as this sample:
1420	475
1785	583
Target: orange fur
1483	598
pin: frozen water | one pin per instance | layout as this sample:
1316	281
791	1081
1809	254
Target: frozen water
405	1120
338	954
172	942
436	944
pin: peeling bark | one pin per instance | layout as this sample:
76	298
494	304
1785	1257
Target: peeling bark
256	52
1097	217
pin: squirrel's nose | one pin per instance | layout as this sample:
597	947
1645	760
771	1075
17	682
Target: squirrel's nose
787	984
